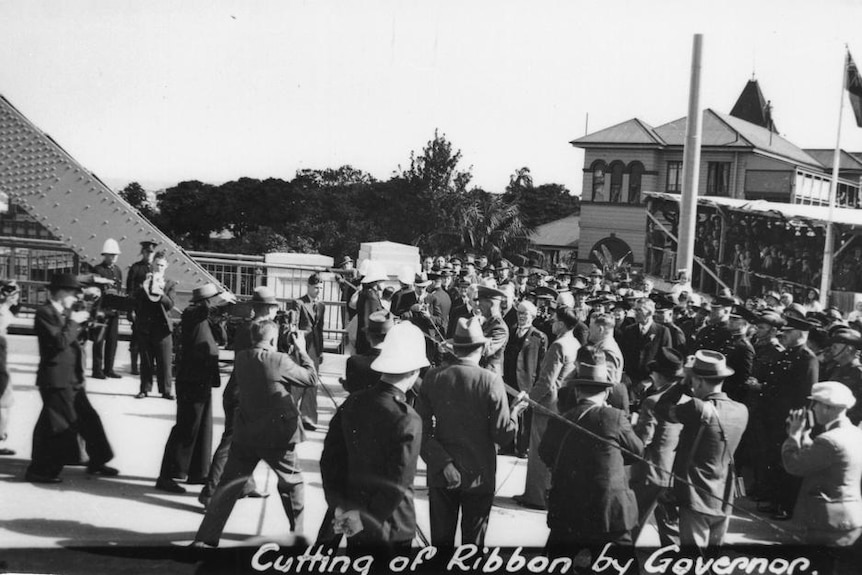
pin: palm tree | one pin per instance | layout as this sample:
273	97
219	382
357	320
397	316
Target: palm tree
490	226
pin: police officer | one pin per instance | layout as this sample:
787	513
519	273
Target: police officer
490	301
105	343
134	282
716	334
846	367
739	353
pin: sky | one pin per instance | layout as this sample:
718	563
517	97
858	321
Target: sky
161	91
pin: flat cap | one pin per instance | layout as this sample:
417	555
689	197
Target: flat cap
832	393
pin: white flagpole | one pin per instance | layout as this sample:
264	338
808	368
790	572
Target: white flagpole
829	248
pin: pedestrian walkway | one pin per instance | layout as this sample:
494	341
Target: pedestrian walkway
82	518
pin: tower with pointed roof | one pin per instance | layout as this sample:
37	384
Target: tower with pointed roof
752	107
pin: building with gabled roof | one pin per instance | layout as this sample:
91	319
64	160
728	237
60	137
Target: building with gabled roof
740	158
557	240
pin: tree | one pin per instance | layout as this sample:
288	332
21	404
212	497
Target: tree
539	204
491	226
190	212
136	197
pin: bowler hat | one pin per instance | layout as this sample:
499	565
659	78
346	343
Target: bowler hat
205	291
65	281
833	394
668	361
264	295
468	334
710	364
402	351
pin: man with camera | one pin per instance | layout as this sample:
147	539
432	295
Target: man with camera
66	410
155	329
189	447
829	506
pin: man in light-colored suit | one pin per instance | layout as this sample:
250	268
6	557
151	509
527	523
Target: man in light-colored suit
266	428
311	310
829	506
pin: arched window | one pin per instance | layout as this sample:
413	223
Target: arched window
598	170
616	169
609	251
636	171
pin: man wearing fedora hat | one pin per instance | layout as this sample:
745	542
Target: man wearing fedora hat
660	438
66	410
829	507
712	427
590	503
267	428
465	413
189	447
264	307
134	282
846	367
371	450
154	329
489	301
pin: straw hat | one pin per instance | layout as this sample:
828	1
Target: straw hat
709	364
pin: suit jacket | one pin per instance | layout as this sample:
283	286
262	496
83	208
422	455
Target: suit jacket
198	371
439	306
831	471
589	492
367	303
497	332
464	412
369	462
660	438
311	322
268	416
740	358
613	358
678	339
705	459
528	360
559	362
788	385
61	359
639	349
358	374
152	317
135	278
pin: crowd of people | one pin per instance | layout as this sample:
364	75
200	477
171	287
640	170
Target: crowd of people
627	402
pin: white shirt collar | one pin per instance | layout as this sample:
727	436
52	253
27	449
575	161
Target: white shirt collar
58	306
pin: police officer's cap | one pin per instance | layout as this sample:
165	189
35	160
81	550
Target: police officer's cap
485	292
771	318
793	322
847	336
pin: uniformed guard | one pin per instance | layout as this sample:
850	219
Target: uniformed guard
105	341
371	450
846	367
134	282
739	354
489	301
716	334
787	387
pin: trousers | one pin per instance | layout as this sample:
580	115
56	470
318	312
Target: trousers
189	447
105	345
156	350
444	505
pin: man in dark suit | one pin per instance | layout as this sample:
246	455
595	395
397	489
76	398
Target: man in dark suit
522	363
712	427
464	414
489	302
311	311
642	341
590	503
266	428
154	328
105	343
739	354
358	374
461	306
134	281
370	453
189	447
664	316
66	410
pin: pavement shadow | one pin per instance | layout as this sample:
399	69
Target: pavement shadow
217	420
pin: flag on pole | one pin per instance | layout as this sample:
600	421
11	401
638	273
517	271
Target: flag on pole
854	89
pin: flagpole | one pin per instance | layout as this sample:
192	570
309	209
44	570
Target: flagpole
829	246
690	165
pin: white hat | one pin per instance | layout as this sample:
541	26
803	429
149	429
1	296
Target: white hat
527	307
111	247
833	393
375	272
363	267
566	299
403	350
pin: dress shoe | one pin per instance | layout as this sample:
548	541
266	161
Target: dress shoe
168	396
197	481
170	486
103	470
141	395
6	451
98	376
36	478
204	500
308	426
135	371
113	375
